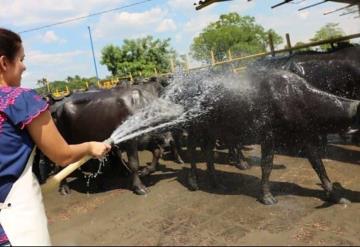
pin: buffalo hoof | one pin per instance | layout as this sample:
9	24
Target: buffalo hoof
179	161
344	201
334	198
64	190
268	199
335	195
146	171
242	165
141	190
193	186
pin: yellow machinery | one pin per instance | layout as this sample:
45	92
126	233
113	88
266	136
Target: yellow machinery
60	94
107	84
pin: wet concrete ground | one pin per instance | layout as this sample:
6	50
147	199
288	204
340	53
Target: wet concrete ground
172	215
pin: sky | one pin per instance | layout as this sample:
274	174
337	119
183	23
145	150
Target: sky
59	51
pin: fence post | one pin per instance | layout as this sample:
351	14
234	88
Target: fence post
156	72
213	61
271	43
47	85
186	63
288	43
172	65
131	78
230	56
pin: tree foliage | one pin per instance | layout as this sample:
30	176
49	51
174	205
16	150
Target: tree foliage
329	31
238	33
301	44
76	82
136	56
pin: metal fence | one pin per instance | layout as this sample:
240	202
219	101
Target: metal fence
235	61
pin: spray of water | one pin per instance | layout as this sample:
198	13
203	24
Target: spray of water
158	114
188	97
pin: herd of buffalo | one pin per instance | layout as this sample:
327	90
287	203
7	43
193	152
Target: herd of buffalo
294	100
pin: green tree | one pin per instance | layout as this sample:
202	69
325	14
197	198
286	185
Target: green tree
238	33
76	82
301	44
329	31
42	82
136	56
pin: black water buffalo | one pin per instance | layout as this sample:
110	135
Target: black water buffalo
172	137
180	135
95	115
267	107
336	72
44	167
154	142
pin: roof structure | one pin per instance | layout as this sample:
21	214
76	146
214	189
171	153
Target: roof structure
352	7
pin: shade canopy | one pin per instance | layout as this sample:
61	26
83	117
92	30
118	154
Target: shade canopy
351	7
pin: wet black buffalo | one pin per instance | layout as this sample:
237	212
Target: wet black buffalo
336	72
95	115
154	142
174	136
271	105
43	167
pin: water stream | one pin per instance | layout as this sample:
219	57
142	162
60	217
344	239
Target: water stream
186	98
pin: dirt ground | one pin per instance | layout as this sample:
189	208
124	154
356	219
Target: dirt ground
172	215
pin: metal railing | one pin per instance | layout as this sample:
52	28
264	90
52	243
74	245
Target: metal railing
109	83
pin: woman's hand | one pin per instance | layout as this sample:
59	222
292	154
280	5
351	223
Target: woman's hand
99	149
49	140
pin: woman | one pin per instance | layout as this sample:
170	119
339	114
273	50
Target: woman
25	122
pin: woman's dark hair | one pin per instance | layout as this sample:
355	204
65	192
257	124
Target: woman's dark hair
10	43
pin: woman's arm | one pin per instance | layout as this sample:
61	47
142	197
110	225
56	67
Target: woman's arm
49	140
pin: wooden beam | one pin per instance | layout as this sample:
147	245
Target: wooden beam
279	4
288	42
271	44
350	12
204	3
313	5
332	11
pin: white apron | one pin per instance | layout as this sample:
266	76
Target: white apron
22	215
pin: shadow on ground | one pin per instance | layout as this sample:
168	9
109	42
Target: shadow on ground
117	179
242	184
249	185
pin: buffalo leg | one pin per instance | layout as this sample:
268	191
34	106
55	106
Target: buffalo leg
208	147
157	153
175	147
317	164
192	176
242	163
324	142
237	156
267	158
64	188
133	159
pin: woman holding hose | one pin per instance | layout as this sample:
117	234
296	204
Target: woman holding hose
25	123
